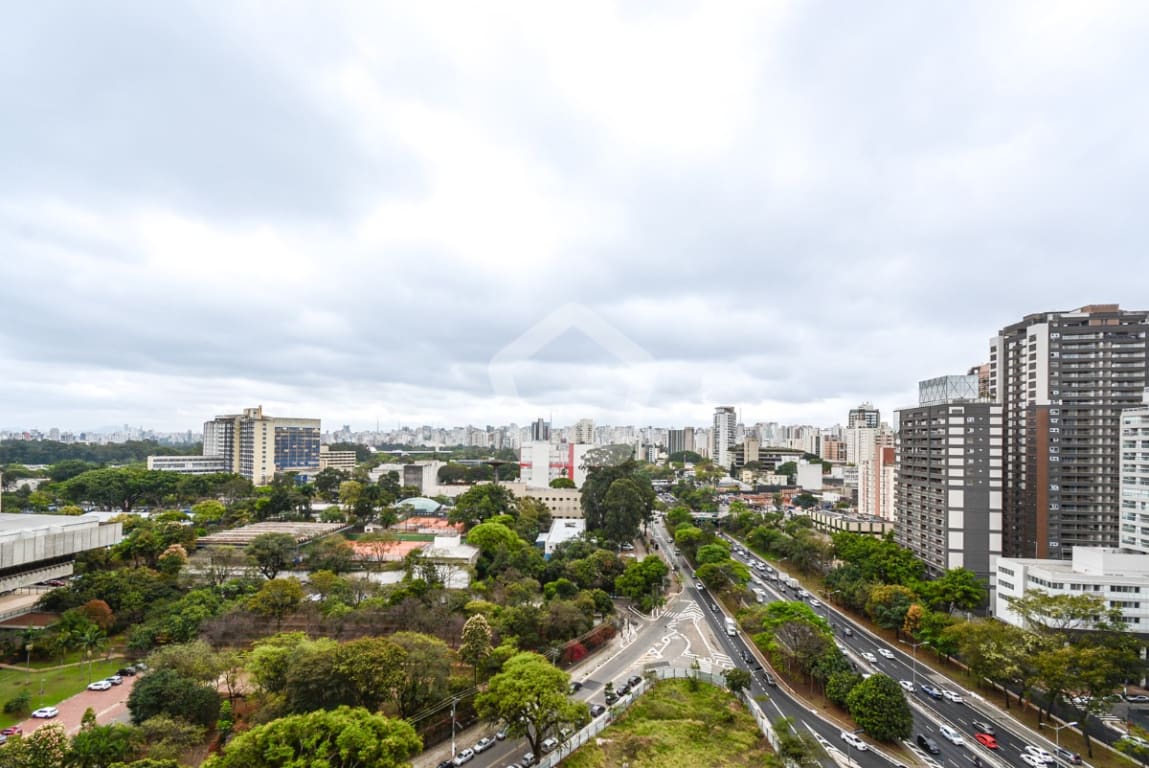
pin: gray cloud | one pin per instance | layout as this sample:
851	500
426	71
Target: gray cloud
353	210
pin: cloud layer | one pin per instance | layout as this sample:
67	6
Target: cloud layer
349	210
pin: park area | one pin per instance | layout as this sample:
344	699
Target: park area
46	685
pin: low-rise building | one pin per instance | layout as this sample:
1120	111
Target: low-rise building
35	548
832	521
189	465
561	531
329	459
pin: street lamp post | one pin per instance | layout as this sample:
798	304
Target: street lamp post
915	647
1057	731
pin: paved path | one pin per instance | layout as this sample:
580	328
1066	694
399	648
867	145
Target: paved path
110	706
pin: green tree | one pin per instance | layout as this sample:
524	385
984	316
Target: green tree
271	553
476	642
888	605
795	749
626	506
878	704
642	581
342	738
195	660
208	512
91	640
482	503
46	747
425	671
562	482
957	588
276	599
166	693
840	684
168	738
530	695
737	679
120	487
331	553
372	670
100	745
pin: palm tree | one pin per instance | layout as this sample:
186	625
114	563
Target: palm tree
90	639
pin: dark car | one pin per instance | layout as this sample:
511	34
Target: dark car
928	744
575	686
633	680
446	764
610	697
623	689
714	607
596	710
1067	755
126	671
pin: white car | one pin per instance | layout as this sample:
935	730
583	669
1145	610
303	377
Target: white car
100	685
886	653
951	735
483	744
869	657
907	685
815	604
854	741
1038	754
1032	761
951	696
466	756
46	712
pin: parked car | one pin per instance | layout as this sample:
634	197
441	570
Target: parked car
501	733
951	735
885	653
446	764
928	744
906	685
987	741
46	712
853	740
983	727
1068	755
527	760
951	696
100	685
466	756
596	710
115	680
483	744
12	730
576	686
1137	698
610	697
869	657
549	745
126	671
633	680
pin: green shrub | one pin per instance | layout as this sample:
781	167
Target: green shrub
20	704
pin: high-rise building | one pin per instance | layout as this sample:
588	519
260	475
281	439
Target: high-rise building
1063	379
259	447
947	494
1135	478
584	432
540	431
541	462
865	415
679	440
722	439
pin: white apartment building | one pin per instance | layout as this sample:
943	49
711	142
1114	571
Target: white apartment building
1121	578
541	462
1135	478
724	436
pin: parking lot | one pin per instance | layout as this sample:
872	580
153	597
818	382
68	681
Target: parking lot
110	706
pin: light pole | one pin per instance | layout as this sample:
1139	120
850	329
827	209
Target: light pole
1057	731
915	647
453	702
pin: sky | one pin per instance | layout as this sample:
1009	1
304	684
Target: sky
449	213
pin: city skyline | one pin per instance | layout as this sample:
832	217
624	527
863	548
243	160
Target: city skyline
391	214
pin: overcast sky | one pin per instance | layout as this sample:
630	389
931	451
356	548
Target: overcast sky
454	213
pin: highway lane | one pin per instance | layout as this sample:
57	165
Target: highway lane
903	666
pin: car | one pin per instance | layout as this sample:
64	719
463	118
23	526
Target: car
929	690
815	604
928	744
610	697
951	735
951	696
140	666
906	685
869	657
527	760
987	741
633	680
549	744
848	632
576	686
501	733
1038	753
115	680
596	710
885	653
126	671
483	744
1068	755
46	712
769	678
983	727
99	685
516	765
627	547
446	764
1031	761
12	730
699	585
1137	698
714	607
853	740
466	756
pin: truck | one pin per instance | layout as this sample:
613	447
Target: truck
731	627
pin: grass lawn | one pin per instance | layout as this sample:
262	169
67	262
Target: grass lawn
57	684
672	726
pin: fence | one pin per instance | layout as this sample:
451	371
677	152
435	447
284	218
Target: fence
599	724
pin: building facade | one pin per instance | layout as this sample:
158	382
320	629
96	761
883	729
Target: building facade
948	487
1135	478
189	465
539	463
724	436
1063	380
258	446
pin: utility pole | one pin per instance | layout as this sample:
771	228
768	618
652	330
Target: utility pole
453	703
